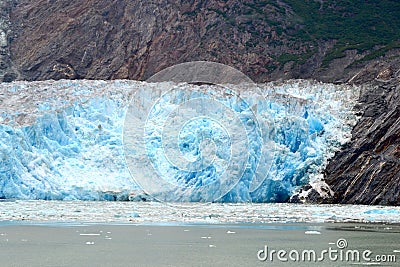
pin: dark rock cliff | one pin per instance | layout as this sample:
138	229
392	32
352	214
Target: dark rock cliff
8	70
367	170
267	40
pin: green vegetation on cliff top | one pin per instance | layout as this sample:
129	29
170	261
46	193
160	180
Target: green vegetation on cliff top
371	26
355	24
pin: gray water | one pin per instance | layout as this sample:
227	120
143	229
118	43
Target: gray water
57	233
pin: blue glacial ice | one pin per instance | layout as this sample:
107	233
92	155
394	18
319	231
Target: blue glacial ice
65	139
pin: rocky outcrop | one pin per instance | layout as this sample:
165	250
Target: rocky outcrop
367	170
8	72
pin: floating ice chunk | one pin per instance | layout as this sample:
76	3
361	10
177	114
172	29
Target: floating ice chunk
89	234
312	233
134	215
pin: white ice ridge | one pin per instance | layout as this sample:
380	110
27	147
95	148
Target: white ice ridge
64	139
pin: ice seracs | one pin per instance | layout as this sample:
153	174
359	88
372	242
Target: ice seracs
64	139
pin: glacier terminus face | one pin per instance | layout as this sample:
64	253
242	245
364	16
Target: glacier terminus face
119	140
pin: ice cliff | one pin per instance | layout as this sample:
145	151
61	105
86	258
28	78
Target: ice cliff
108	140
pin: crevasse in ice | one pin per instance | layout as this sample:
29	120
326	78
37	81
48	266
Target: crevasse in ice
64	139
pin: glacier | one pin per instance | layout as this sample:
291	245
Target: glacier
131	140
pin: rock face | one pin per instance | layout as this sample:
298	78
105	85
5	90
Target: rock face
267	40
135	39
8	72
367	171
